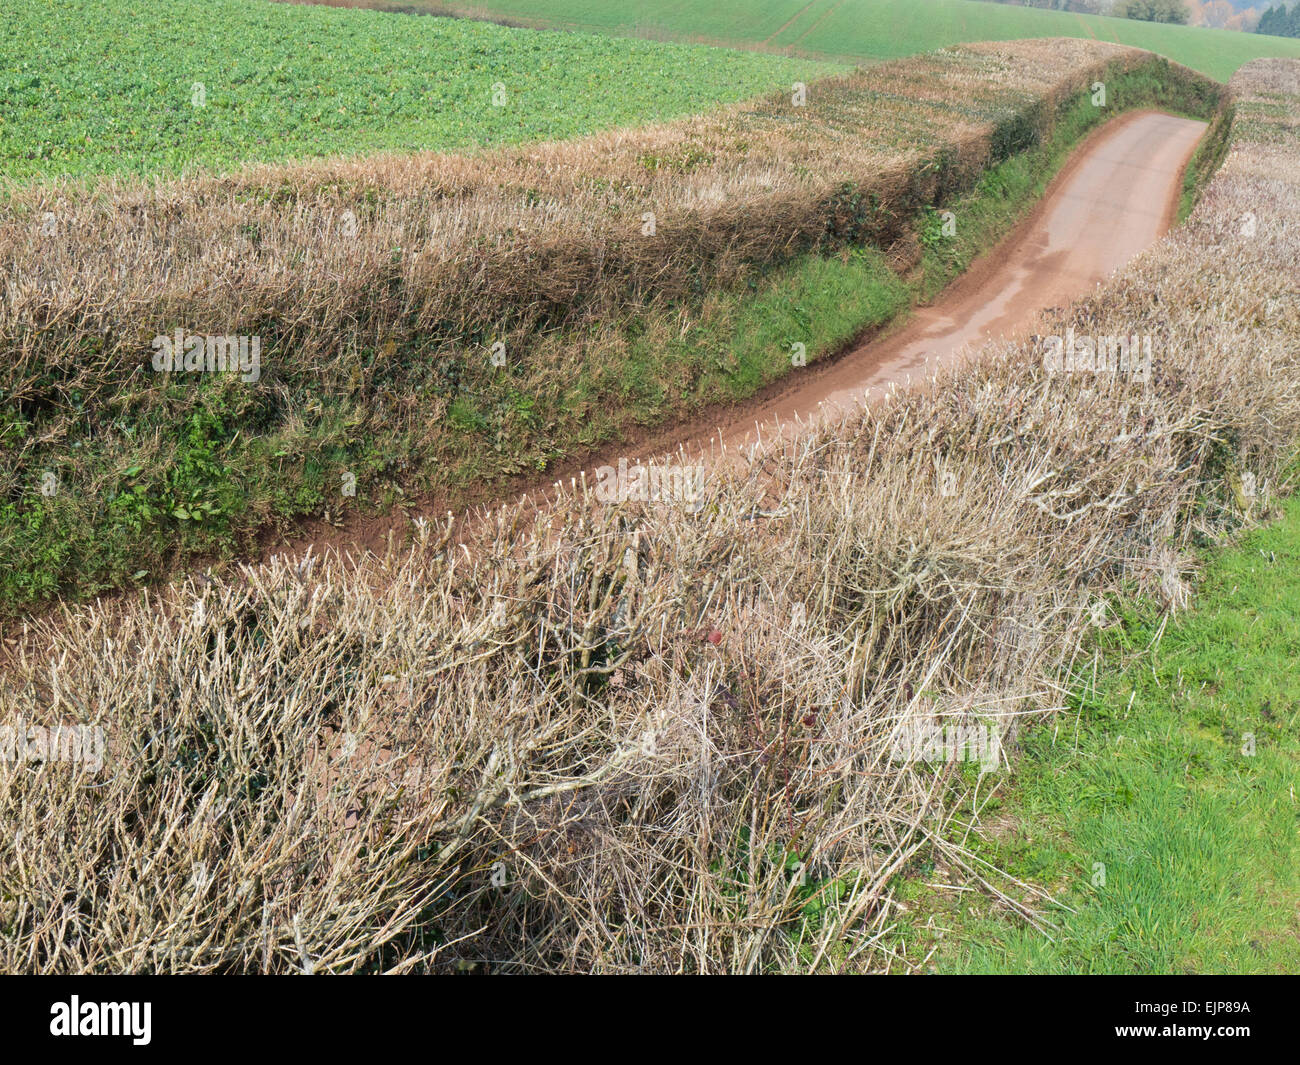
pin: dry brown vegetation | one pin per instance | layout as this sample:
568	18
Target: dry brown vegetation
609	737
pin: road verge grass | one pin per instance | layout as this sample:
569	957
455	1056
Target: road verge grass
1159	812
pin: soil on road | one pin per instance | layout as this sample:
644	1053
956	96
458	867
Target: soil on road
1117	195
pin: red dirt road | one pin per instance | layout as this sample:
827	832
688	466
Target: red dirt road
1118	194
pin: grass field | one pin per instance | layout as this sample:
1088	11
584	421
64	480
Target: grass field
1162	807
96	86
858	30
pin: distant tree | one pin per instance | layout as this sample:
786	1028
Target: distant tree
1153	10
1244	21
1223	15
1085	7
1214	13
1279	22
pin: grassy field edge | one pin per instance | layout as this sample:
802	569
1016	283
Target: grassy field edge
850	30
1153	826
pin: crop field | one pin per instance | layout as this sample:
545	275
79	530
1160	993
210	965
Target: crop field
163	85
858	30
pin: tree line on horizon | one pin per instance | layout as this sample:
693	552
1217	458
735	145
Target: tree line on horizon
1235	15
1279	22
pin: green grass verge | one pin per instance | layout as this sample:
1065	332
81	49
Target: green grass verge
108	86
1205	160
1162	808
858	30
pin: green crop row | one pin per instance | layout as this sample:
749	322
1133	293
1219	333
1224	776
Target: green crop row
106	86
